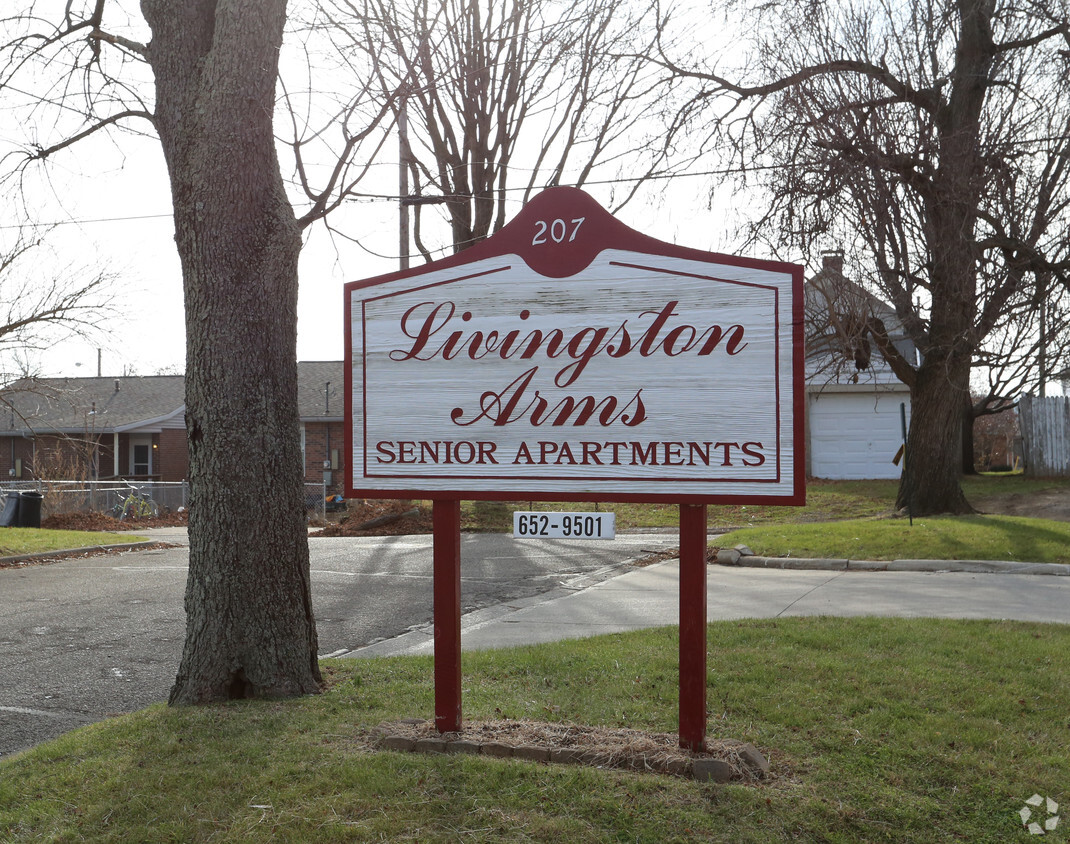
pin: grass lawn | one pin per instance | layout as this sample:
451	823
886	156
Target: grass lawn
844	519
16	541
931	538
825	501
891	730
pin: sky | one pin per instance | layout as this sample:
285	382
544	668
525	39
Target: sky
128	230
109	200
119	219
130	233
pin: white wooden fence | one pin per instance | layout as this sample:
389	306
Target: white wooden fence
1045	424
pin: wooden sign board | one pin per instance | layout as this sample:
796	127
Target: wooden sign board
569	357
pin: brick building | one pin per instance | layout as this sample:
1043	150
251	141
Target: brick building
134	428
321	404
94	428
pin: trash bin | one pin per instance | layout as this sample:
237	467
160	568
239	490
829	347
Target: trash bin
10	516
30	509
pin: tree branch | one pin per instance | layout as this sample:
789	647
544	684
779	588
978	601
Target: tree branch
904	370
120	41
44	152
1062	29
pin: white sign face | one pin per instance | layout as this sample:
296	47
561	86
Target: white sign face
642	376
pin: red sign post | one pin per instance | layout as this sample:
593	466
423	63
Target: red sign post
570	358
446	523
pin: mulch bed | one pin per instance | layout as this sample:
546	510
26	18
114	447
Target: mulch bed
380	518
723	760
104	522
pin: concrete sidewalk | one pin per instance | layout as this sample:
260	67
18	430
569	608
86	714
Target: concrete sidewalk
649	597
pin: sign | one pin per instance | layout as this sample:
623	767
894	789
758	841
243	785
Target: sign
569	357
541	525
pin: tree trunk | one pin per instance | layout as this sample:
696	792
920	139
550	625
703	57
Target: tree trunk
969	464
930	480
940	395
940	398
250	627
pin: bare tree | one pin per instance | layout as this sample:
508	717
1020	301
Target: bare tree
495	100
934	139
202	76
336	132
1027	348
43	303
840	316
250	626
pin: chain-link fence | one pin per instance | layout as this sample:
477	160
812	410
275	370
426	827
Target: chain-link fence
316	502
108	496
103	496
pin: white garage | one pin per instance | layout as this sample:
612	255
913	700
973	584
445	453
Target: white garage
855	434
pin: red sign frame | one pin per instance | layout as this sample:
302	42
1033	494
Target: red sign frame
542	242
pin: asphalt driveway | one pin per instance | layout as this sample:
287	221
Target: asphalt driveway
89	637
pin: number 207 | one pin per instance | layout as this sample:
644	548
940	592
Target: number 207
555	230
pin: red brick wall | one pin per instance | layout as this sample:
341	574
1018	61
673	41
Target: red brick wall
49	456
172	455
105	461
322	439
16	448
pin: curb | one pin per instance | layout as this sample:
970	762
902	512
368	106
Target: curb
59	554
968	566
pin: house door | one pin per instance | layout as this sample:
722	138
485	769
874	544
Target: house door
141	455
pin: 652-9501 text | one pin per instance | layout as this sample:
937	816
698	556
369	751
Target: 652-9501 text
528	525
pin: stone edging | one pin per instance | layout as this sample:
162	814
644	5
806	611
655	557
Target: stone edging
751	763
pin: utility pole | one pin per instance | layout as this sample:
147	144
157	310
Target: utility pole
327	478
404	157
1042	362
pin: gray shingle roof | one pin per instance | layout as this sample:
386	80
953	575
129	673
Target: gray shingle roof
829	293
100	404
314	399
74	405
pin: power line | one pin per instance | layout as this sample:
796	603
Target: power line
88	222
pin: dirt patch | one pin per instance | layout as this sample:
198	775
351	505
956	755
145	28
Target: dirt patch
380	518
104	522
651	557
603	747
1051	504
